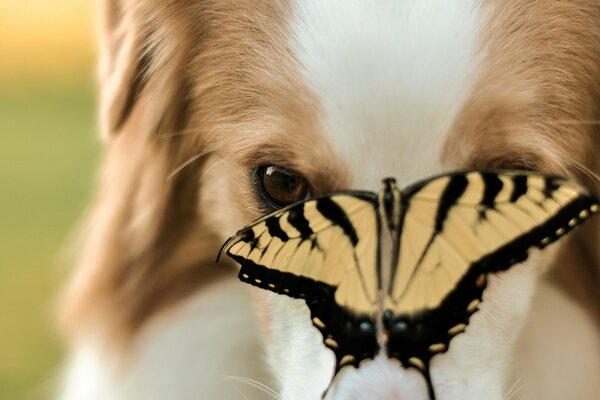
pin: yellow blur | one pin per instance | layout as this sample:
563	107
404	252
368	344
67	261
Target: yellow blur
45	39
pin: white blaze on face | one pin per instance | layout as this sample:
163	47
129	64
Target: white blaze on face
390	77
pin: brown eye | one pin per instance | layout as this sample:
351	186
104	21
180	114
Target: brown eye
280	187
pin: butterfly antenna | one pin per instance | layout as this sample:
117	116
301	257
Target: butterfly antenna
222	249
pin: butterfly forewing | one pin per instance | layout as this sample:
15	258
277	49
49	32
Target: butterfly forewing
323	250
456	229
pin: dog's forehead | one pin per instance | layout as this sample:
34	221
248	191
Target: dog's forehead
391	78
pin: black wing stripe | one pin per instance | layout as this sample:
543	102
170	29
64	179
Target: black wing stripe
334	213
299	222
275	229
492	187
519	187
453	191
248	236
550	186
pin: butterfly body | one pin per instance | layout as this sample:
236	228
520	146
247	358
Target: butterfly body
404	270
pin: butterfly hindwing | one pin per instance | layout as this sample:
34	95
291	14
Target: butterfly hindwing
456	229
322	250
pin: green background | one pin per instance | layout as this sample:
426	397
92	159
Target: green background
48	157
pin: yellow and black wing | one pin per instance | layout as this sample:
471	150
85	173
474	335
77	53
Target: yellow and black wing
457	228
323	250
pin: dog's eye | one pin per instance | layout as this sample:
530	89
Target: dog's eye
280	187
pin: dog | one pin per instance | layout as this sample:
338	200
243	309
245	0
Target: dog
215	112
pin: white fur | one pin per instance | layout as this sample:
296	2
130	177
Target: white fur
558	355
302	368
196	351
390	76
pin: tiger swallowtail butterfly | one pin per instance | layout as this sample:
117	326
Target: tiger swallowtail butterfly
412	262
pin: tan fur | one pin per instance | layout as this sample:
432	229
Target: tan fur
211	85
223	85
536	105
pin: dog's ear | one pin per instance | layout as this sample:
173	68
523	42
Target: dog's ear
136	62
122	64
146	244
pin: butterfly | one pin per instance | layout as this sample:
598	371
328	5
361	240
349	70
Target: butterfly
413	262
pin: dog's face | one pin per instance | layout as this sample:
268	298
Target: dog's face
264	103
403	89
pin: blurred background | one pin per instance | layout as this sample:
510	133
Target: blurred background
48	155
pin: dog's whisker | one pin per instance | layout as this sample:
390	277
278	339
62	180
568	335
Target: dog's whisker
177	133
514	389
517	127
578	122
254	383
585	170
576	165
516	392
573	122
186	163
242	395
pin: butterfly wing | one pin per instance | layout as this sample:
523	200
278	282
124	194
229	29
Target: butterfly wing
455	230
322	250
